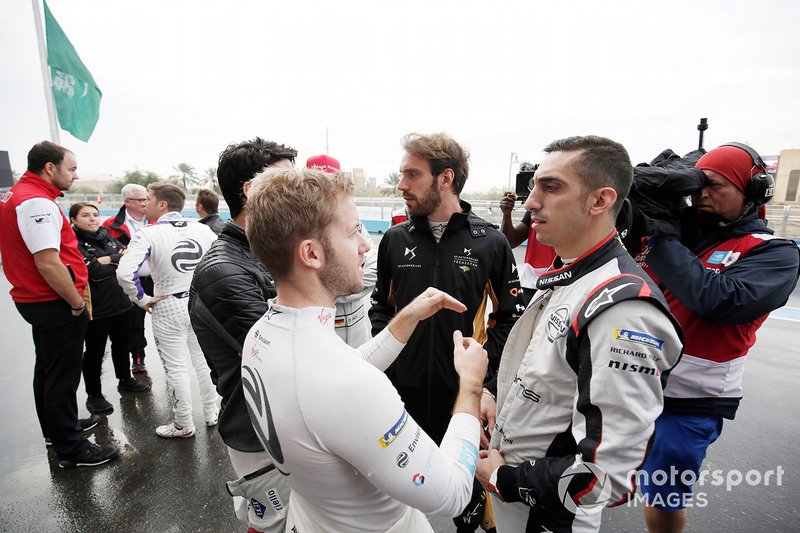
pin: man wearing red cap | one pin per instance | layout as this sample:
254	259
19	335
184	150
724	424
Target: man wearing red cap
722	279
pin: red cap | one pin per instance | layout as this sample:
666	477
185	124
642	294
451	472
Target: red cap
324	163
732	163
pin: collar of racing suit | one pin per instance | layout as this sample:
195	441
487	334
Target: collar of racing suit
561	274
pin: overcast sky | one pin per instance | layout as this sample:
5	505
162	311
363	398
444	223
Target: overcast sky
182	79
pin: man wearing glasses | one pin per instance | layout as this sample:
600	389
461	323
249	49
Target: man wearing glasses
123	227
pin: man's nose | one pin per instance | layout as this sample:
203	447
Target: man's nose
532	201
364	245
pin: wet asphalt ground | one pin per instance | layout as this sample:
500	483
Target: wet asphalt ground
173	486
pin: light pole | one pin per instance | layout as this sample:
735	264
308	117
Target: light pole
513	159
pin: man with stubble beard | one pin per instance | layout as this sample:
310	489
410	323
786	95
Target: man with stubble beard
446	246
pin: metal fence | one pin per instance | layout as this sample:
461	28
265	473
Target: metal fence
783	219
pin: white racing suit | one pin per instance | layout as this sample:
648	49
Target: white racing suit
579	389
338	431
172	247
261	494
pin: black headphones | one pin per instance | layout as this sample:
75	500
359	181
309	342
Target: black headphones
761	186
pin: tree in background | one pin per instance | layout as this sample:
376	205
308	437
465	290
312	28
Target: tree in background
137	176
187	176
391	184
210	177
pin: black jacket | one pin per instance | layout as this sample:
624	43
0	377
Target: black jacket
107	296
473	263
228	295
213	221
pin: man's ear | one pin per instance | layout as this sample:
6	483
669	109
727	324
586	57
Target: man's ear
309	254
602	200
446	179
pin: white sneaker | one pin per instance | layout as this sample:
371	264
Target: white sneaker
212	420
171	431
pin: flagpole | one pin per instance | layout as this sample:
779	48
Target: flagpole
48	92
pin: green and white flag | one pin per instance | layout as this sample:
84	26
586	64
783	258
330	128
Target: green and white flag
75	92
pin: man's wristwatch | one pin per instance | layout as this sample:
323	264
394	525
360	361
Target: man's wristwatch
81	308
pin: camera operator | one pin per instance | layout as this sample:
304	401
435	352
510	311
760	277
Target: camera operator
722	278
538	256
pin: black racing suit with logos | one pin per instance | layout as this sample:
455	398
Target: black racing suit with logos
579	389
473	263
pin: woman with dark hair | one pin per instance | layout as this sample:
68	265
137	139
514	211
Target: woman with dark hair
109	308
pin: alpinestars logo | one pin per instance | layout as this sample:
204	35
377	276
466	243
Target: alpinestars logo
468	252
410	252
605	297
186	255
271	312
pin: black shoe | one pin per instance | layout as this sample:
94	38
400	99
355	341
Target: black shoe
98	404
85	423
132	385
91	455
89	423
138	364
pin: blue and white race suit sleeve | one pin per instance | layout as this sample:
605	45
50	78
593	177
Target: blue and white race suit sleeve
389	448
136	254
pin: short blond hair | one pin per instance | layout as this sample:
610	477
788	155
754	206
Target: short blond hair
287	205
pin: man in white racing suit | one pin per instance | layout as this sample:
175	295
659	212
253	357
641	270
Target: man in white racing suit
327	414
581	378
172	247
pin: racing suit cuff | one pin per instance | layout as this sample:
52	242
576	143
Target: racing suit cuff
461	441
506	483
144	300
492	485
